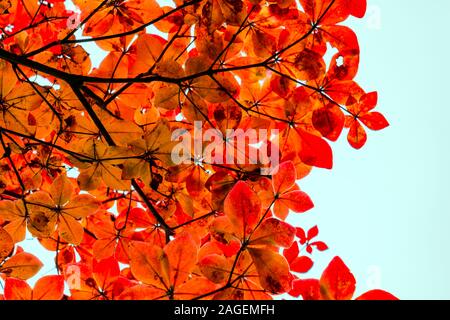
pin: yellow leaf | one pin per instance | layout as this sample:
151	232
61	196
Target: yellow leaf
167	96
42	223
81	206
14	213
273	270
61	190
70	230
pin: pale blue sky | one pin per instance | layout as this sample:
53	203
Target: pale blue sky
384	209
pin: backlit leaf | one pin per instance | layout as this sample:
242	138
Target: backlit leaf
22	266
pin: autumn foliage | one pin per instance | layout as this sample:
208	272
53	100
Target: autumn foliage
86	164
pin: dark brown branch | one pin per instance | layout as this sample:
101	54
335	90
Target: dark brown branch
113	36
207	215
104	132
78	156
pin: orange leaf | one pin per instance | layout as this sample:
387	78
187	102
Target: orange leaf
215	267
6	244
273	232
273	270
182	257
61	190
49	288
22	266
70	229
141	292
195	288
149	264
14	212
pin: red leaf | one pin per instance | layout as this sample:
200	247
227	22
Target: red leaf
285	177
368	102
297	201
357	136
301	264
243	207
374	121
377	295
337	282
331	11
329	121
321	246
342	38
292	253
313	232
344	92
16	289
309	289
358	8
315	151
105	272
301	235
